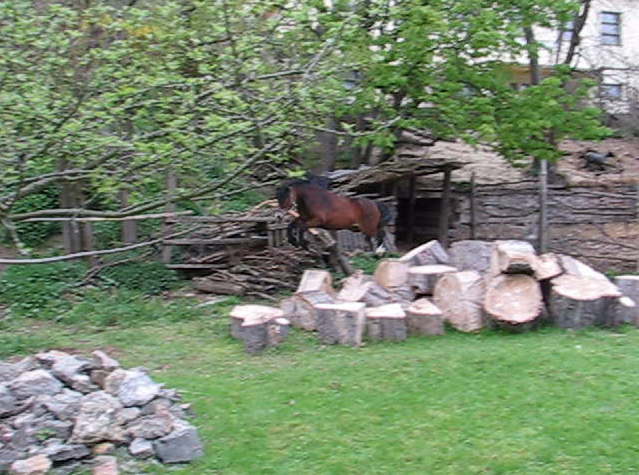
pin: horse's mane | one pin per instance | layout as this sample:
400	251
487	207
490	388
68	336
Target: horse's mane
309	179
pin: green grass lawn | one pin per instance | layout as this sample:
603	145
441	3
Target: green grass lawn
544	402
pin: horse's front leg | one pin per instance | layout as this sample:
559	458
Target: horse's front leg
303	242
292	233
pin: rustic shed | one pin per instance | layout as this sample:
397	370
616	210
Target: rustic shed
592	215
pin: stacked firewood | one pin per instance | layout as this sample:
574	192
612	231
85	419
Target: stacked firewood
473	285
256	272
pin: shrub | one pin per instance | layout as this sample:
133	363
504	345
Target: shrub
35	233
31	289
149	277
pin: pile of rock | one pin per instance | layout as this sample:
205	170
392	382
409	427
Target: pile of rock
59	411
472	285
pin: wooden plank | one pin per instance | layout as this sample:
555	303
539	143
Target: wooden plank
213	242
445	209
217	219
192	266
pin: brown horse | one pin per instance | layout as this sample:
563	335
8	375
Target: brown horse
320	208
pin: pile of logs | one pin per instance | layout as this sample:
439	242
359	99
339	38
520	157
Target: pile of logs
245	271
472	285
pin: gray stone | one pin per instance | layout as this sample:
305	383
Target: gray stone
114	380
128	414
64	405
137	389
104	361
151	427
48	358
35	383
52	428
105	465
8	456
97	420
159	404
181	445
61	452
8	402
141	448
70	370
36	465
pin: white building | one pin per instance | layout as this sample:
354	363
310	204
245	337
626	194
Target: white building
608	51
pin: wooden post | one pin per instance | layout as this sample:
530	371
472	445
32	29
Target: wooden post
543	207
129	228
410	234
171	186
637	216
445	209
473	207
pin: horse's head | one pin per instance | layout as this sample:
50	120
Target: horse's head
286	197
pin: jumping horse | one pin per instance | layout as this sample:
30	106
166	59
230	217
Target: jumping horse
319	207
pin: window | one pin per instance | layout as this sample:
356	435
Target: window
567	30
611	92
610	28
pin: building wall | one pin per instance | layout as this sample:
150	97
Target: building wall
598	224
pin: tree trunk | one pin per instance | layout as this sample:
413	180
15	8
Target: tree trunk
422	279
429	253
513	300
341	323
424	318
460	296
301	308
258	326
386	323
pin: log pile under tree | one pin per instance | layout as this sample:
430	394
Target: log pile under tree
470	286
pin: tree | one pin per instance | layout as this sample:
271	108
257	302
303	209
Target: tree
101	100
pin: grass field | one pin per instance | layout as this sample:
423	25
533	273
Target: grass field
545	402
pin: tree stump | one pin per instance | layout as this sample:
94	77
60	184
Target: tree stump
316	280
377	295
470	255
424	318
341	323
386	323
355	287
512	257
391	273
258	326
513	301
546	266
460	296
430	253
422	279
622	311
578	301
300	308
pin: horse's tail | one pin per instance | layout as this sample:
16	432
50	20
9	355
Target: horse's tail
386	215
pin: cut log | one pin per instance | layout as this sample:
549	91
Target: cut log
470	255
341	323
422	279
625	310
206	284
431	253
376	296
258	326
460	296
512	257
355	287
316	279
300	308
391	273
546	266
575	267
386	323
513	300
579	301
240	313
424	318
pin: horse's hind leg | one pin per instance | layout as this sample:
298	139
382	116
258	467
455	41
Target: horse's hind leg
301	229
